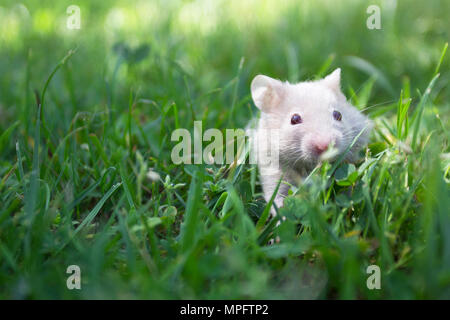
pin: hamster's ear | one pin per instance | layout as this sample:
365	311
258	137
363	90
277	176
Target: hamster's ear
333	80
266	92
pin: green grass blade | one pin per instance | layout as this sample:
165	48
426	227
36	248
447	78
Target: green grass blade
96	209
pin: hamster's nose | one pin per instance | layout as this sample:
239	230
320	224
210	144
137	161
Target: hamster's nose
320	146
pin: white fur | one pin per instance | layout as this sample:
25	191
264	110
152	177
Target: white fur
315	102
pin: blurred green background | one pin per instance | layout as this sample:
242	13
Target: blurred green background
141	69
202	42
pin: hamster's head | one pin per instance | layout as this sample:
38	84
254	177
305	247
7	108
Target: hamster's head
313	119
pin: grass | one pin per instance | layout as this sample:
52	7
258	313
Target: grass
86	114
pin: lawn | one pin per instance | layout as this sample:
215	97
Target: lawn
87	179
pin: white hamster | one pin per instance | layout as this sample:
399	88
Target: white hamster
309	118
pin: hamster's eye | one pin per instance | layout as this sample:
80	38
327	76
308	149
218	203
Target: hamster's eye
337	115
296	119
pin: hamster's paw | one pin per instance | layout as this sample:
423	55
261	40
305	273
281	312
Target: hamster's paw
277	238
273	241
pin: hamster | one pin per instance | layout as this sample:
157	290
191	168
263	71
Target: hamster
310	119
